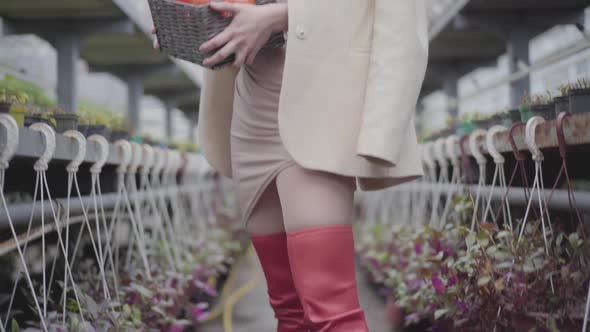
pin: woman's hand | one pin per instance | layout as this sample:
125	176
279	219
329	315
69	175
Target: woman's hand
249	30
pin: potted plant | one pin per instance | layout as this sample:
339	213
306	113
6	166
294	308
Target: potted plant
13	102
466	126
119	128
480	121
64	121
562	103
579	96
542	105
35	114
525	108
509	117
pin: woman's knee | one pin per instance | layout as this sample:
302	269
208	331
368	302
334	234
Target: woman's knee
312	198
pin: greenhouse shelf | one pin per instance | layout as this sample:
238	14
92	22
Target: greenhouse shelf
516	196
31	145
575	130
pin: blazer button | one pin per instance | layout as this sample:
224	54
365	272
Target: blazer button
300	32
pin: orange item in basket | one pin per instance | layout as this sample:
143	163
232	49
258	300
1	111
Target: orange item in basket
205	2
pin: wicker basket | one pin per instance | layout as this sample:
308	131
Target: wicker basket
183	27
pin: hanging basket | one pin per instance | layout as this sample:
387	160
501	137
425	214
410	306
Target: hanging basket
182	28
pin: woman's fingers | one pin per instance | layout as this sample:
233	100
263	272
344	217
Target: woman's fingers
217	41
156	43
222	54
241	56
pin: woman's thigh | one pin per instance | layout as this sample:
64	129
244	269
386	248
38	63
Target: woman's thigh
267	216
313	198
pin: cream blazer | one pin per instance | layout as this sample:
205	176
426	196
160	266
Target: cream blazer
353	72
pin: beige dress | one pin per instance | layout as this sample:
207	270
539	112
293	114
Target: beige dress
257	152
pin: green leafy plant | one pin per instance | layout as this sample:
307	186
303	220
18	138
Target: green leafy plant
19	88
564	89
581	84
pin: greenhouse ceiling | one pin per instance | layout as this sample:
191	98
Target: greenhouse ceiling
107	50
479	34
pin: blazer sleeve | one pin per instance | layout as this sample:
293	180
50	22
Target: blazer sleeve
398	59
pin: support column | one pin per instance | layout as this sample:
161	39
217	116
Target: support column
169	124
192	131
451	89
68	53
518	52
135	93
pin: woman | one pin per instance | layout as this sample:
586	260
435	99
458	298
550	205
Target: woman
307	126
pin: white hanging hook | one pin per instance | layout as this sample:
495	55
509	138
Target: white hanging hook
491	143
451	152
170	161
103	152
149	158
126	154
530	137
78	159
11	128
178	161
427	156
48	134
136	158
439	152
473	146
159	161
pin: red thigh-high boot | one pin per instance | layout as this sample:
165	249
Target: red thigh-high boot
322	263
272	252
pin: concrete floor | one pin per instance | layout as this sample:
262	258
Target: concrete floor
253	313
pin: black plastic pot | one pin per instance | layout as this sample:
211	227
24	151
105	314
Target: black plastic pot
546	111
96	130
65	122
495	120
562	104
119	135
30	119
5	107
579	101
481	124
515	115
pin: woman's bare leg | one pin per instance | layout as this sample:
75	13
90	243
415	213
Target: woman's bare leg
318	211
270	241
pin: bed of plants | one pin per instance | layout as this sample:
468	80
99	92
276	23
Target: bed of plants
173	299
494	277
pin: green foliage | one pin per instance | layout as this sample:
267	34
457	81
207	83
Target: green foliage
24	92
582	84
564	89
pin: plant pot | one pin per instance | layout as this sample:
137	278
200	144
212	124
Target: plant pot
546	111
481	124
495	120
119	135
65	122
5	107
509	118
90	130
30	119
562	104
466	128
18	113
579	101
525	114
395	315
